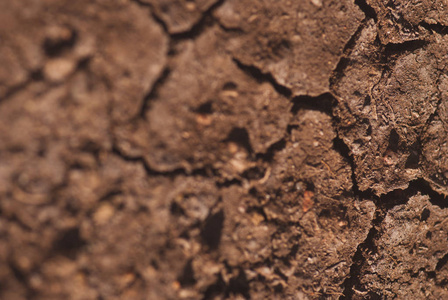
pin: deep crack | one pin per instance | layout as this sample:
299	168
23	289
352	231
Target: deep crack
259	76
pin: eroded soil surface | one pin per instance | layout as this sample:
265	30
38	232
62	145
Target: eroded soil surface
223	149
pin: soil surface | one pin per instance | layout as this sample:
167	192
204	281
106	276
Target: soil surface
223	149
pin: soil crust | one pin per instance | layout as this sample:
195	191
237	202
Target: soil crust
223	149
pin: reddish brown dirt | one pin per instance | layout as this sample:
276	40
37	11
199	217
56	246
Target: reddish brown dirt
223	149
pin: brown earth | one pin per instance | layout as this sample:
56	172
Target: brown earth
223	149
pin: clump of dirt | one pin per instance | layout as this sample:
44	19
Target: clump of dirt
383	113
402	21
409	255
223	150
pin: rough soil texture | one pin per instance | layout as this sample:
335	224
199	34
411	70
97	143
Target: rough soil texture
223	149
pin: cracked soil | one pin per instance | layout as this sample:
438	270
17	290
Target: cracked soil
223	149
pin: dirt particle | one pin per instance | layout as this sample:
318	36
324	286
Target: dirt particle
317	3
308	201
103	213
257	218
300	187
205	120
58	69
233	147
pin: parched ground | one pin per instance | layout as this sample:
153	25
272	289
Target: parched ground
223	149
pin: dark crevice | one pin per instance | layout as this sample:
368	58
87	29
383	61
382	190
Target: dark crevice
56	46
195	31
153	14
391	49
260	77
354	38
344	151
211	232
290	128
33	76
413	160
206	171
426	213
234	30
368	248
323	103
239	285
438	28
227	183
367	9
176	209
23	279
215	289
69	243
205	108
442	262
396	197
435	112
254	173
14	90
394	141
206	21
240	136
154	92
18	274
344	61
268	156
187	277
173	173
422	186
110	195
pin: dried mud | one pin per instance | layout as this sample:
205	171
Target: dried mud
222	149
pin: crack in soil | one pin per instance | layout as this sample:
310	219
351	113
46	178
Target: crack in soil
260	77
155	16
205	171
199	27
206	20
324	103
367	249
153	93
438	28
367	9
